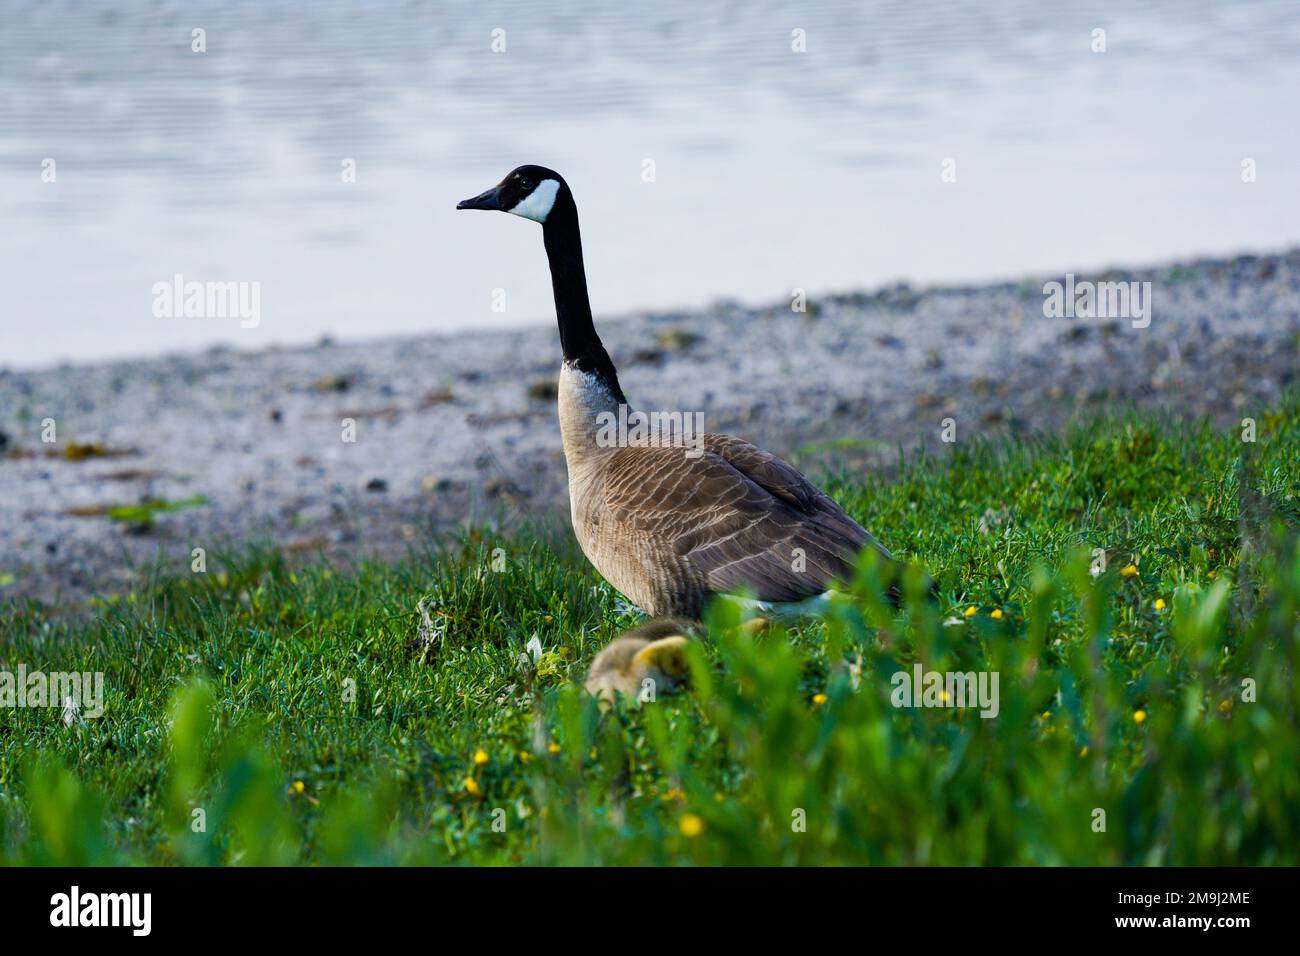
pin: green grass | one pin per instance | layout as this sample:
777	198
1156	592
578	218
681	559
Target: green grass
315	716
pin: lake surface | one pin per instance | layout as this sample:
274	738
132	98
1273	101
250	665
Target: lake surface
773	169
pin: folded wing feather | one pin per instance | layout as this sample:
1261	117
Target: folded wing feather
742	518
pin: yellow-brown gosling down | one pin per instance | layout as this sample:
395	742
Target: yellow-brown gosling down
644	662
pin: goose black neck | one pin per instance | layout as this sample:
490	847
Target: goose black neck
582	346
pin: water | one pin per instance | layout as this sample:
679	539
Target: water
773	169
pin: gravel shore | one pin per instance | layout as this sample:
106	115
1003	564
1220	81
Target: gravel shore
456	429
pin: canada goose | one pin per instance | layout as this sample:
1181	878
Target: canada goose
665	528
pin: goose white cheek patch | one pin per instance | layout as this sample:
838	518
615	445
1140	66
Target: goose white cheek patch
537	204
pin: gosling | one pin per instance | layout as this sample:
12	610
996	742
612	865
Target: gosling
644	662
650	659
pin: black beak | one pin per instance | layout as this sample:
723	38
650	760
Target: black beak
484	200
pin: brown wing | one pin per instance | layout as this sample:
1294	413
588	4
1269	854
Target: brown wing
742	518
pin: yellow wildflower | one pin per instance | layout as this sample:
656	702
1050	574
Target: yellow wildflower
691	825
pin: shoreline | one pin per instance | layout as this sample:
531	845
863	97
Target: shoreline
239	446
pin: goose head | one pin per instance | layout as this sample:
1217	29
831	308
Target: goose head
542	195
527	191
